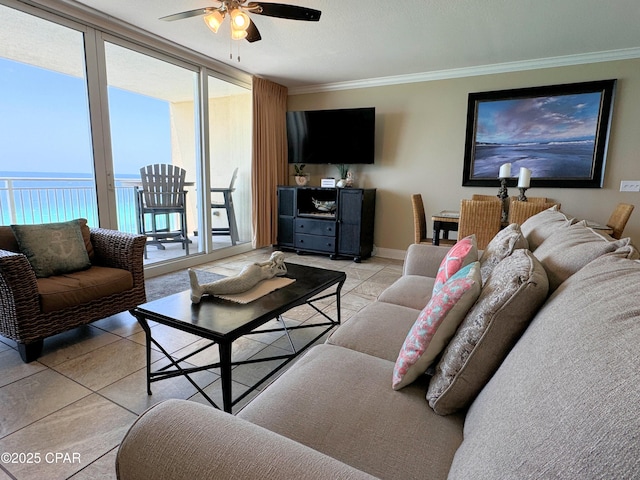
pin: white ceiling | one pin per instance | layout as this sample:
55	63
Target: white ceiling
360	40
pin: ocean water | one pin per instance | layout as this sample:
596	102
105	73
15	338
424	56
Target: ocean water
31	198
570	160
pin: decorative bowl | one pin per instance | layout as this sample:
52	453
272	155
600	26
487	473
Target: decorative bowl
324	205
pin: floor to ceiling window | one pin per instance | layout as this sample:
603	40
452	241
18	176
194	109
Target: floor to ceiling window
229	115
81	111
46	160
153	117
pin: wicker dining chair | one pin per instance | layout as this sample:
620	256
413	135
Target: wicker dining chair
481	218
420	222
619	218
485	198
530	199
520	211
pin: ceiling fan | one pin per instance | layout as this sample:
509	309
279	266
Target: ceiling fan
242	27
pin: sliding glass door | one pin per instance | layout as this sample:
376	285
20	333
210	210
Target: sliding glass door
152	117
46	164
229	153
82	111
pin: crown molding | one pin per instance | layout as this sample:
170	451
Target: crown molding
564	61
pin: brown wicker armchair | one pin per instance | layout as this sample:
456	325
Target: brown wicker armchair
22	316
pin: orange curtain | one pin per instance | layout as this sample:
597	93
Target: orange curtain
269	159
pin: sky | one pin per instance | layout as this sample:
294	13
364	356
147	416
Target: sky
44	124
540	119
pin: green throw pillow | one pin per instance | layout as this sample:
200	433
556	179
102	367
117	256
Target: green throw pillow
53	248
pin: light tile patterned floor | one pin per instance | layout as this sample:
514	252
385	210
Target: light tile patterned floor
68	411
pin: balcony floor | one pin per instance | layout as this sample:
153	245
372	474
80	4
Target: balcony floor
175	250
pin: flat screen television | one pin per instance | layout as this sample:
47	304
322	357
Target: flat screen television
331	136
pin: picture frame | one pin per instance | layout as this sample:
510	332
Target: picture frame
559	132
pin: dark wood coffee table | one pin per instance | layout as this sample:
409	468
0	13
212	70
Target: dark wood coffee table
222	322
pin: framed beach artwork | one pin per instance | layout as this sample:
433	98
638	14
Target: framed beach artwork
559	132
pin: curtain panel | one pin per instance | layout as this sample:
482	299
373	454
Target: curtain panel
269	159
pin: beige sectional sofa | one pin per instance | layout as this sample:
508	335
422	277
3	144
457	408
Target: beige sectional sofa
540	380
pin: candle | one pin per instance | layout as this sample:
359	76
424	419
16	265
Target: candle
505	170
525	178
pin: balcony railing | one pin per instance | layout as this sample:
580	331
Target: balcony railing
46	199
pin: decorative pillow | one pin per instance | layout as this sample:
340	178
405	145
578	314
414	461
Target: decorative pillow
539	226
436	324
460	255
53	248
567	251
501	246
514	291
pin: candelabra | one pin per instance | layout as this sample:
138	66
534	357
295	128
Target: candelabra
503	195
522	197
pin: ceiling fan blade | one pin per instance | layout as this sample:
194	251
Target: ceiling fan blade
281	10
253	35
188	14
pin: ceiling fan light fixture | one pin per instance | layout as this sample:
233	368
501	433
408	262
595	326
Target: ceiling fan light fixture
239	20
238	34
214	20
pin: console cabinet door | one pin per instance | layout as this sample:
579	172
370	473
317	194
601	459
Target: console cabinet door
350	211
356	211
286	216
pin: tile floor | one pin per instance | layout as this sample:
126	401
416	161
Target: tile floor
64	415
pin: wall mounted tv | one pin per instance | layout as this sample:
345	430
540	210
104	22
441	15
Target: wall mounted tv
332	136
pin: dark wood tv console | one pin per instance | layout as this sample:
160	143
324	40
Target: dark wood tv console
346	231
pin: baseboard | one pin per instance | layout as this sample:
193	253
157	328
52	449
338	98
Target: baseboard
391	253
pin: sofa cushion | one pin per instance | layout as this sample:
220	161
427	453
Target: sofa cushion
501	246
565	252
564	403
413	291
72	289
539	226
378	330
464	252
436	324
338	401
512	295
53	248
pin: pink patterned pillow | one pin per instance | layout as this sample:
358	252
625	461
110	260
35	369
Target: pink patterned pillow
460	255
436	324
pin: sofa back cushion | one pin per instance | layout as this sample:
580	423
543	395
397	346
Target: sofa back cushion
500	247
512	295
538	227
564	403
566	251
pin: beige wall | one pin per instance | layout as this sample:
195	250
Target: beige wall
230	147
420	137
